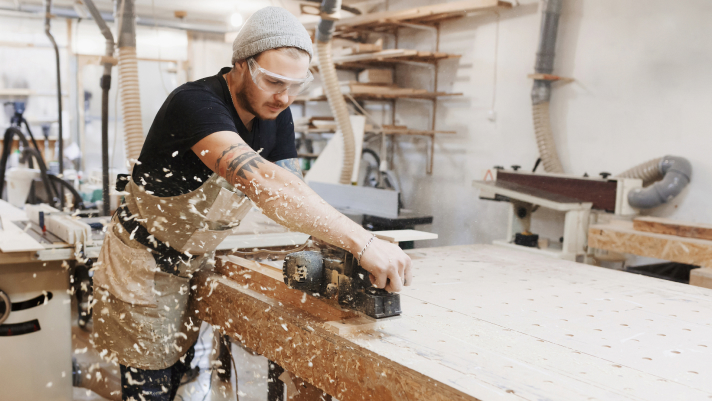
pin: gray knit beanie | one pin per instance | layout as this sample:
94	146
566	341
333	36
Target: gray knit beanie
270	28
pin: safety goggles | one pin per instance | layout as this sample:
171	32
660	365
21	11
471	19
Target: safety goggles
274	83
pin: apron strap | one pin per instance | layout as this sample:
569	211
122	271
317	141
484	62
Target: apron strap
167	258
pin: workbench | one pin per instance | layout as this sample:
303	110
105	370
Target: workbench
480	322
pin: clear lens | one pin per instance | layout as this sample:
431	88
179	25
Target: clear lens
276	84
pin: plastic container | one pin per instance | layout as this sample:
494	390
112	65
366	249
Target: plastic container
19	181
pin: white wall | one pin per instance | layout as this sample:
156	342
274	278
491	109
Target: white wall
642	90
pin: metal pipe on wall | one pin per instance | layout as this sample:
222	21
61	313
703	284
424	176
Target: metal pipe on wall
60	140
105	84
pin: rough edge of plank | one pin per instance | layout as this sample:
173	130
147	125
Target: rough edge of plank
672	227
301	345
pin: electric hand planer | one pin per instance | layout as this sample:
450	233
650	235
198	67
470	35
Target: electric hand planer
333	272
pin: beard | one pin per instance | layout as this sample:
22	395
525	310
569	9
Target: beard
247	101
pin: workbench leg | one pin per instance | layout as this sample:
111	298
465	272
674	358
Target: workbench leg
275	387
225	357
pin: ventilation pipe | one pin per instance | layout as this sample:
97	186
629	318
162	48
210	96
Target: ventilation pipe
541	91
128	81
672	174
105	86
325	30
60	140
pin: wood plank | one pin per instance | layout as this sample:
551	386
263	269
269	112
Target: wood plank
701	277
404	235
481	322
620	236
301	344
673	227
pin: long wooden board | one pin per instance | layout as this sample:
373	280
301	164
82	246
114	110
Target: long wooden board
673	227
620	236
484	323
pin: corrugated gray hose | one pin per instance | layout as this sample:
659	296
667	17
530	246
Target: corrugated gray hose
324	32
672	174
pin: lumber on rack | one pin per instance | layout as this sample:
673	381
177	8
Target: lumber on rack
673	227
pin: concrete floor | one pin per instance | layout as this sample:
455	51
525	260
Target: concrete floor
251	371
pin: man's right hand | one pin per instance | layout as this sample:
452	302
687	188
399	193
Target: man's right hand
389	266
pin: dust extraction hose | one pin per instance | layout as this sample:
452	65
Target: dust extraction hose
541	90
325	31
672	174
130	102
128	83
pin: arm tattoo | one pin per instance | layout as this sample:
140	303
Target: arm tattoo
237	166
291	165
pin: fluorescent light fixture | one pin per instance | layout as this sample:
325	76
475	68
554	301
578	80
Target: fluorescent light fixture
236	19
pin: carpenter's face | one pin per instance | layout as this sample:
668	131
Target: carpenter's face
263	104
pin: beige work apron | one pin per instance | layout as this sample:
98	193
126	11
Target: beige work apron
140	315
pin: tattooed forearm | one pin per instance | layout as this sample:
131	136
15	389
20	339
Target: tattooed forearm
291	165
238	160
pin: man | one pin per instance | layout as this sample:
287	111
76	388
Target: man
232	131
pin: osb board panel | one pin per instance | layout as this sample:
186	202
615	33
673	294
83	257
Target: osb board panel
620	236
491	323
673	227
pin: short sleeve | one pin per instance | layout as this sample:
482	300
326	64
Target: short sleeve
285	146
193	114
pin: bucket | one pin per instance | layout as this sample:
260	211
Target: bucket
19	181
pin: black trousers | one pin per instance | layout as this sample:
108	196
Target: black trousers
154	385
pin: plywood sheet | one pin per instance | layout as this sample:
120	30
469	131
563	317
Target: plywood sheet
673	227
481	322
620	236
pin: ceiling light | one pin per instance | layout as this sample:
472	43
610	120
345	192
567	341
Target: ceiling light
236	19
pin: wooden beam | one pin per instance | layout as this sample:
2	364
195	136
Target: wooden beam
481	322
620	236
673	227
299	343
701	277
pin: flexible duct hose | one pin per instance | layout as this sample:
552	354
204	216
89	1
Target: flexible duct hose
130	102
338	108
649	172
541	90
545	138
673	173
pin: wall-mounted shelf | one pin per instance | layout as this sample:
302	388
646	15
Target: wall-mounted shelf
359	29
428	16
385	96
387	58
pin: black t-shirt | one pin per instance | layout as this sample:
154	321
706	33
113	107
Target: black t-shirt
169	167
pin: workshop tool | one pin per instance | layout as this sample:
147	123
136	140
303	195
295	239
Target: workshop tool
333	272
